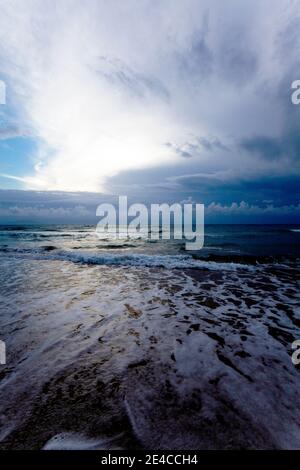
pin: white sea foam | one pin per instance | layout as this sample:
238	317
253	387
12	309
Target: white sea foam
140	260
159	353
73	441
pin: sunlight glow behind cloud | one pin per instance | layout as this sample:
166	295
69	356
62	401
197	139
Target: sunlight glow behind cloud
96	115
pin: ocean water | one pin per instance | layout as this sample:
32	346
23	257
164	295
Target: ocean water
134	343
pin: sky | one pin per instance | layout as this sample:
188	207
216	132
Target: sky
160	100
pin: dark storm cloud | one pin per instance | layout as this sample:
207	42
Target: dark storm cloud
282	189
197	147
286	147
212	144
264	147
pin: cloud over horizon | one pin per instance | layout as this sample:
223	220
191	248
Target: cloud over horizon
59	207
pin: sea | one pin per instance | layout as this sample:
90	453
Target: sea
136	343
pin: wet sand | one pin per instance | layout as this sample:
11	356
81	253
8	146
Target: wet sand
153	358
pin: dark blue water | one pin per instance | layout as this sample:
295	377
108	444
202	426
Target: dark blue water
256	240
246	243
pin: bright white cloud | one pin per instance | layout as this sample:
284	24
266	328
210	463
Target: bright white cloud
96	116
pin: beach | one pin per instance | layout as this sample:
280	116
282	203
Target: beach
139	345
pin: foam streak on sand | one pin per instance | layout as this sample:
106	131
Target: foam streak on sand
72	441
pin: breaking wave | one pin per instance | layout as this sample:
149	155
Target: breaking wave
109	259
